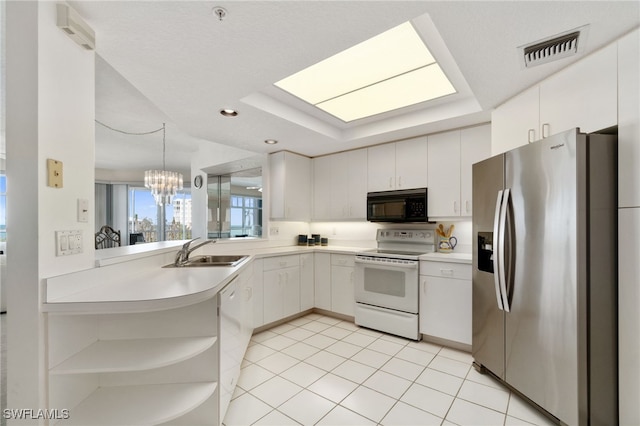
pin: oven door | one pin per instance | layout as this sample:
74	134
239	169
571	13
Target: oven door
388	283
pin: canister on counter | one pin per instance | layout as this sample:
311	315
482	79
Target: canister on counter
316	239
302	240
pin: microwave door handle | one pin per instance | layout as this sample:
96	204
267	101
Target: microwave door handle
501	260
497	254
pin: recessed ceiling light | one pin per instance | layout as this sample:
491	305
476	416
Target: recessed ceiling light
228	112
271	141
358	82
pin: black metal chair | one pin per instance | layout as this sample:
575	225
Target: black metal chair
107	237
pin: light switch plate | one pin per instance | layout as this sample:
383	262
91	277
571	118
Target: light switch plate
83	210
54	173
68	242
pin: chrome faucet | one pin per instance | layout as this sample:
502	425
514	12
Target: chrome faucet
182	256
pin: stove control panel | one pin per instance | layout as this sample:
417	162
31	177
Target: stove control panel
409	236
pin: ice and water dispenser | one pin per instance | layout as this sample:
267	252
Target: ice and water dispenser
485	251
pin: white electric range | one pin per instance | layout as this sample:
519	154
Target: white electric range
386	281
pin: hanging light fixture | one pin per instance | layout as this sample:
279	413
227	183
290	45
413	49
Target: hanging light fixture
163	184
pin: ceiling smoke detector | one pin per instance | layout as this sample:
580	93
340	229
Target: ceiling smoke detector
561	46
220	12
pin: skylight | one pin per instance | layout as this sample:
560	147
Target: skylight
389	71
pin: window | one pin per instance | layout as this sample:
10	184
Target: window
159	223
246	216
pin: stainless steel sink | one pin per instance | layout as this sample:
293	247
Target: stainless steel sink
211	260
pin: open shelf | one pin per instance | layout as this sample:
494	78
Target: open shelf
139	405
110	356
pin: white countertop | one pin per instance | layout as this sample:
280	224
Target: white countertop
119	285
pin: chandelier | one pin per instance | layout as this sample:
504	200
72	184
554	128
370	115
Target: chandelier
163	184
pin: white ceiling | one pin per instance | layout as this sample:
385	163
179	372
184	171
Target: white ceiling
175	62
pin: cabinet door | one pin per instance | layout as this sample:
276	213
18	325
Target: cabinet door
257	293
381	168
583	95
444	174
339	199
411	163
276	184
273	290
322	281
475	145
322	171
515	123
629	120
342	290
445	308
290	291
297	187
306	281
629	326
357	182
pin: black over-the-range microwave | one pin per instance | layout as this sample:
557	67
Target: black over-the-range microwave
404	205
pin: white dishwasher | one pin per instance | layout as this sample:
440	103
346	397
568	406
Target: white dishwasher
236	327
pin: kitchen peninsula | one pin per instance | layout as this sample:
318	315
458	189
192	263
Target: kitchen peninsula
136	333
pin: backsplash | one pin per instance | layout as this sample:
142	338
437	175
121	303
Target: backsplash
360	233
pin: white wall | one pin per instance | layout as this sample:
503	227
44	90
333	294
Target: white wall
50	114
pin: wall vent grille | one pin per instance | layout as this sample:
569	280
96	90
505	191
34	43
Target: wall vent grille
558	47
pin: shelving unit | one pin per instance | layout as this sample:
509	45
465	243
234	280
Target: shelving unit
112	356
140	405
141	368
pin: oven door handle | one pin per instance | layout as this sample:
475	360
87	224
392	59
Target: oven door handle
411	264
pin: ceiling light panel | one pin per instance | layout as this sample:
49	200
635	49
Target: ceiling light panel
417	86
382	57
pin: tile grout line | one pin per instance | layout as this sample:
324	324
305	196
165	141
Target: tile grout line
377	337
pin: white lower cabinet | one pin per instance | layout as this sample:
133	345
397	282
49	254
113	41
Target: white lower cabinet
281	297
445	301
136	368
322	281
342	284
257	293
307	291
629	315
236	327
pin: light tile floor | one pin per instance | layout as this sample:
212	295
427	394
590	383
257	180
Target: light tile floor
325	371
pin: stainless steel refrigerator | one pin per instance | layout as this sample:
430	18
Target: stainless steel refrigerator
545	274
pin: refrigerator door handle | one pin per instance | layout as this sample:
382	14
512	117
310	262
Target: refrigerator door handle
497	253
501	245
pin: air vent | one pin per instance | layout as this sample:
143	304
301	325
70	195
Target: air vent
558	47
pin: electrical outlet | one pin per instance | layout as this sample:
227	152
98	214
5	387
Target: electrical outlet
68	242
274	230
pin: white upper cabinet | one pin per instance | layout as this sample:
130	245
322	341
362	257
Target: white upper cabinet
340	186
322	172
381	172
629	120
582	95
451	156
515	123
400	165
290	186
475	145
411	163
444	174
357	184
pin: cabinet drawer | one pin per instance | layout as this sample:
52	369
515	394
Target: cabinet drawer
343	260
279	262
460	271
